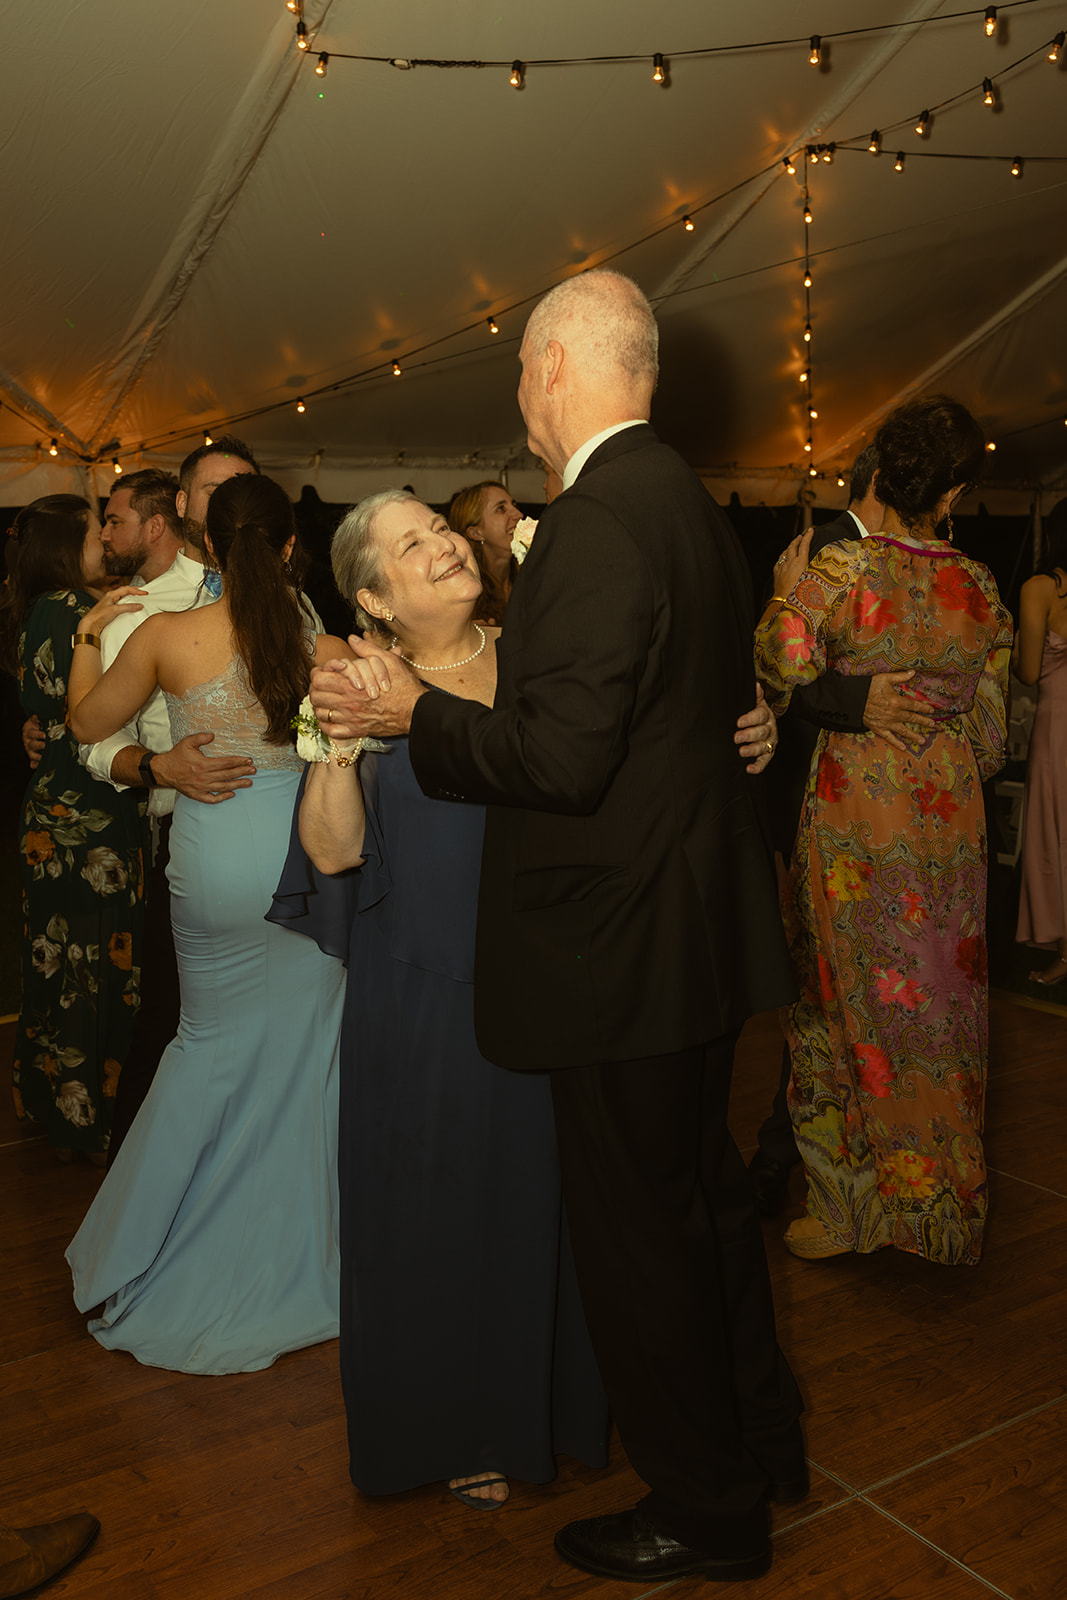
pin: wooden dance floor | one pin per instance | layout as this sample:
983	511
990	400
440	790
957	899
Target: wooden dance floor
936	1412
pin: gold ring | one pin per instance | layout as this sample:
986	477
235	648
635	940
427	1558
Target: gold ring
769	747
329	715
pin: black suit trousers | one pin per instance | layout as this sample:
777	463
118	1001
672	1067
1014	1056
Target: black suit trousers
675	1285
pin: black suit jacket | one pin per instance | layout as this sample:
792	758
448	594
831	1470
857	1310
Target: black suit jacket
628	905
833	701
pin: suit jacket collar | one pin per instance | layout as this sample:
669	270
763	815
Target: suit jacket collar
620	444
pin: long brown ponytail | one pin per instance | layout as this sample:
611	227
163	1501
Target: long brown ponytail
249	522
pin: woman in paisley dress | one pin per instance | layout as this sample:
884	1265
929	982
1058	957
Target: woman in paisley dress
885	900
213	1240
81	846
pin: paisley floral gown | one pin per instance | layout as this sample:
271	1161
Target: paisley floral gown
81	844
885	901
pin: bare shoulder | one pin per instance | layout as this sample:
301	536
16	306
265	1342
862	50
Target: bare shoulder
328	647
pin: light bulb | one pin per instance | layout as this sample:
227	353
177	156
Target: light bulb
517	74
301	35
988	97
688	224
807	333
300	406
1017	167
813	472
807	277
1056	46
789	164
115	464
898	164
990	445
292	5
207	437
804	376
813	414
808	446
657	68
840	481
396	369
874	143
807	213
53	448
815	50
990	21
828	154
922	124
322	63
491	325
813	154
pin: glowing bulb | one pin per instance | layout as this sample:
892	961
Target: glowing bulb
923	124
807	333
813	472
491	325
396	369
815	50
1017	167
657	69
808	445
813	155
517	73
301	407
828	154
789	164
813	414
1057	46
302	35
898	164
804	376
988	97
293	6
990	445
807	213
322	63
874	143
115	464
840	481
807	277
688	224
990	21
53	448
207	437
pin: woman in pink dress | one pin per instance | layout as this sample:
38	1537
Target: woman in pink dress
1041	657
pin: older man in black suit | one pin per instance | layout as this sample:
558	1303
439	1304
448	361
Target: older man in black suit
628	924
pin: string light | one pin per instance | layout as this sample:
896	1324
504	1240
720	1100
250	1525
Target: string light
115	464
53	448
898	164
294	6
813	155
207	437
1057	46
815	51
988	97
813	472
990	21
840	481
807	333
807	447
813	414
518	73
789	164
657	69
302	35
807	277
491	325
805	376
396	369
301	407
322	63
807	212
990	445
688	224
874	143
1017	167
828	154
923	124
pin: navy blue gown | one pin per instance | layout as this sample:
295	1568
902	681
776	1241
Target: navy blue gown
463	1343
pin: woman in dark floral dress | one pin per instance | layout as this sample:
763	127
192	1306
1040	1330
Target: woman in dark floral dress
81	844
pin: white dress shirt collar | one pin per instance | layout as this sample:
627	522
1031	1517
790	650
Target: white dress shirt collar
582	454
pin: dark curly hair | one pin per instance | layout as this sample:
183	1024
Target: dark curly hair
249	522
924	448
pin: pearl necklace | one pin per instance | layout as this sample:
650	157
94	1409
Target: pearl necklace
451	664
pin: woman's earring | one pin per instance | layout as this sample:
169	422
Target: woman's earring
387	616
951	529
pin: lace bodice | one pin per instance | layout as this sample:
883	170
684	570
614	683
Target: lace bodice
226	707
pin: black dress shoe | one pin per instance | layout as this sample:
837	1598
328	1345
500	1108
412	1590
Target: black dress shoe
626	1545
770	1183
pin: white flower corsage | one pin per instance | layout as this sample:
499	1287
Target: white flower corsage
314	745
522	538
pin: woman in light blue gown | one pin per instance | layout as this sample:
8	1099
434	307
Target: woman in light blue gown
212	1243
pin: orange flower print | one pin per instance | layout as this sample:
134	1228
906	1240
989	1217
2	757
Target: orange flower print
120	950
39	848
958	592
831	782
846	879
933	801
796	639
911	908
906	1173
874	1070
874	613
59	810
896	990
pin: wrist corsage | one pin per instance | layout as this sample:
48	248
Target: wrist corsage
314	745
522	539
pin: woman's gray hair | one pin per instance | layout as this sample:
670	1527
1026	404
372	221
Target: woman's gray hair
356	558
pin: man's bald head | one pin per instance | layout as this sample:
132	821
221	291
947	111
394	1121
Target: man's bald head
608	322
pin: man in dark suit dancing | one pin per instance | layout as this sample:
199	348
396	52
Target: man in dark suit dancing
628	925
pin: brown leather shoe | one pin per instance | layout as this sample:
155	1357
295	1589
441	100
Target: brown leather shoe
30	1557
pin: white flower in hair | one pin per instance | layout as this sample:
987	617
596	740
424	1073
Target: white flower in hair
522	538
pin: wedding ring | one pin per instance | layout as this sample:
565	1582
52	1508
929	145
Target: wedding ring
769	747
329	715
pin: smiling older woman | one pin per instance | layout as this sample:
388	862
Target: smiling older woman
464	1354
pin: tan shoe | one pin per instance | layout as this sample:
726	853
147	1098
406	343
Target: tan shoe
808	1238
32	1556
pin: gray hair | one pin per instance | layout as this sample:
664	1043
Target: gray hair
356	557
615	321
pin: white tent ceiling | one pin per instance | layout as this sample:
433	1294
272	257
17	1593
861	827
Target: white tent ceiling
197	227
